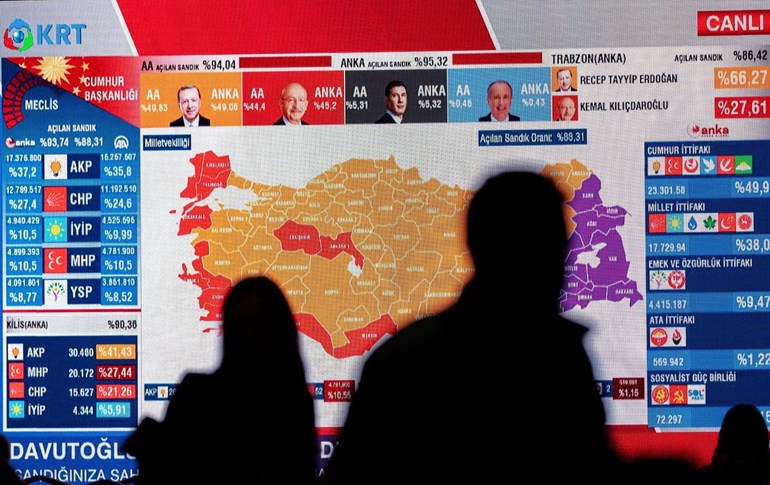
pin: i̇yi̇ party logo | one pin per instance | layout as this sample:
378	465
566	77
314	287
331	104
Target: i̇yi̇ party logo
18	36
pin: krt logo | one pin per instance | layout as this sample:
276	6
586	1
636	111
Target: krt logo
19	37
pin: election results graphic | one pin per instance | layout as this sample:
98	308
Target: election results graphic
70	238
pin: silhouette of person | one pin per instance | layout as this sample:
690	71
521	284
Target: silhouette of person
499	382
658	470
742	455
258	395
8	475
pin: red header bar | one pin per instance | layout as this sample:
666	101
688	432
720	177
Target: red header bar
734	22
285	61
498	58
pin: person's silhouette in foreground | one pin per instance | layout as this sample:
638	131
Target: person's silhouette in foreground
252	419
498	386
658	470
742	455
8	475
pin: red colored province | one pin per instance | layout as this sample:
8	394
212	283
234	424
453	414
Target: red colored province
295	237
330	248
211	172
197	217
111	83
213	288
360	340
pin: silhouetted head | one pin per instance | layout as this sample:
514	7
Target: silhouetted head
257	323
517	236
5	449
743	436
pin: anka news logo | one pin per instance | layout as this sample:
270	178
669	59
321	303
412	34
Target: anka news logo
699	131
19	36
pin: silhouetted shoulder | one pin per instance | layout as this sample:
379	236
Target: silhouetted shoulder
190	395
8	475
260	350
569	329
412	339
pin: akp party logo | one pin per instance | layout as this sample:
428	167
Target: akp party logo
18	36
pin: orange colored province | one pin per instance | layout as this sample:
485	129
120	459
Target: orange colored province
569	177
413	233
410	232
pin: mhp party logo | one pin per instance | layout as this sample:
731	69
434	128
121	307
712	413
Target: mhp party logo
19	37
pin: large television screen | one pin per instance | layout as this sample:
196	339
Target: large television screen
123	227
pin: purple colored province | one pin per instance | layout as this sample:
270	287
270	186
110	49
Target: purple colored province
596	265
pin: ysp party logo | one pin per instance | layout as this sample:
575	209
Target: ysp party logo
19	36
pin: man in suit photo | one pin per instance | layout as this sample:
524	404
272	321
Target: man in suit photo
499	97
395	103
293	105
564	80
189	98
565	108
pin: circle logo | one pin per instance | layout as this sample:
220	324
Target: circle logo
660	394
658	337
676	279
18	36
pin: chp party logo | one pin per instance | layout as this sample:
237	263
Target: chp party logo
18	36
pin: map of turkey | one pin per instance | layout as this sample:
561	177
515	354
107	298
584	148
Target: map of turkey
367	247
